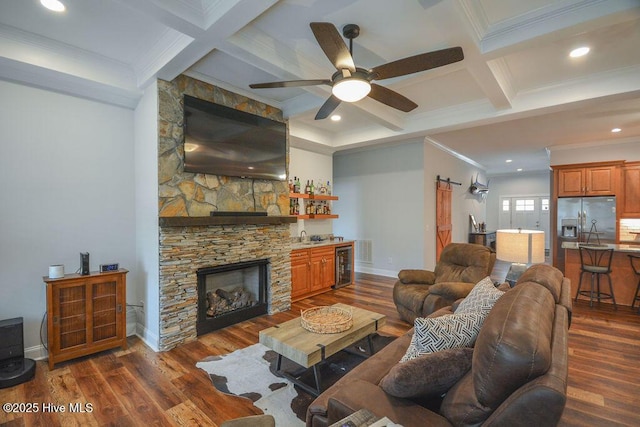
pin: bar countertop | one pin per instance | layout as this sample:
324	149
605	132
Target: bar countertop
616	247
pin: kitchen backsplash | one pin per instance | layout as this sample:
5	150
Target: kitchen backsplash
627	226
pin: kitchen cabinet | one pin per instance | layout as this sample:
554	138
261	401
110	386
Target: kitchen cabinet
323	268
312	271
300	274
85	314
630	200
592	180
311	201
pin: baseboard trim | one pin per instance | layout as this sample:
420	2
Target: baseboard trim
149	338
376	271
39	352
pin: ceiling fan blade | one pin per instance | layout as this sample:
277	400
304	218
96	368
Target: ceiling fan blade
391	98
327	108
291	83
333	45
414	64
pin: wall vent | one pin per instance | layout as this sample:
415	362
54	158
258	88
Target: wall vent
364	252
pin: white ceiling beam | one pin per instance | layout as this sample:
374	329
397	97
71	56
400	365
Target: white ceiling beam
170	13
166	48
581	92
30	48
556	16
69	84
192	32
41	62
494	82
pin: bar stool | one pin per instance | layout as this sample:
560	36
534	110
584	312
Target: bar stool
636	269
595	261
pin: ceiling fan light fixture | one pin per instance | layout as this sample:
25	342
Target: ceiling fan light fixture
351	89
54	5
578	52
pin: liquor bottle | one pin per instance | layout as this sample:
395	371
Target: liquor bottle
296	185
328	188
312	188
291	186
307	188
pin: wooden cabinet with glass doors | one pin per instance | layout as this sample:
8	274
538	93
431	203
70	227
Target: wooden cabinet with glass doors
85	314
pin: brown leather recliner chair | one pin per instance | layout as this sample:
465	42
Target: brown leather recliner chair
418	293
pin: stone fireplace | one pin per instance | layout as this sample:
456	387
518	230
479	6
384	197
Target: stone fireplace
190	239
184	249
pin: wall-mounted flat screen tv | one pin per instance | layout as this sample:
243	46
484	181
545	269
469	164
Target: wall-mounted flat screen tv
219	140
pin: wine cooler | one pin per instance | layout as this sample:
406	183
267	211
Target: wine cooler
344	266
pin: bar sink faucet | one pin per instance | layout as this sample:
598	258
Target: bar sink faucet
303	239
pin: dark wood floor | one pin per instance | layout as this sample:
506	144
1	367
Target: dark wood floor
140	387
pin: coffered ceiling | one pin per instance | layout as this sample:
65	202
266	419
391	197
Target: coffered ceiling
514	95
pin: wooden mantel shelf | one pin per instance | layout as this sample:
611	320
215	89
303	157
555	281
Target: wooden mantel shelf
194	221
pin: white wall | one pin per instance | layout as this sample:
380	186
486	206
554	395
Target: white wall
516	184
463	203
66	171
381	198
307	165
146	220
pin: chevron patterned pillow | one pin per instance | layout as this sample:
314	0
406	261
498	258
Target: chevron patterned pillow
481	298
439	333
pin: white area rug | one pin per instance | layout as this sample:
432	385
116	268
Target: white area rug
246	373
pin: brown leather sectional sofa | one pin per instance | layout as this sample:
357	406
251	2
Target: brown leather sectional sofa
518	372
418	293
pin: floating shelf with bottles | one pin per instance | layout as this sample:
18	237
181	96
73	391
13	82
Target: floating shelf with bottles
316	199
312	196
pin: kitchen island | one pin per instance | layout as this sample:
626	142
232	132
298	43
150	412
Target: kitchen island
622	275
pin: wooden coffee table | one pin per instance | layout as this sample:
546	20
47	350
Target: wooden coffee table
308	349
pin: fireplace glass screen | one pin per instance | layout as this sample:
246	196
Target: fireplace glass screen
231	293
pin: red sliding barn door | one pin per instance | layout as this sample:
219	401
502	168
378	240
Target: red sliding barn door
443	216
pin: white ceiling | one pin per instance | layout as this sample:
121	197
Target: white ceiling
514	95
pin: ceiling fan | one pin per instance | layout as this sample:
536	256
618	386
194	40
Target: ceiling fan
351	83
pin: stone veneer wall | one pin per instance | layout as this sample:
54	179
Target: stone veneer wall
181	194
185	249
189	194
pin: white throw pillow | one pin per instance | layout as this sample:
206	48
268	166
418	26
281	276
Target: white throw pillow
481	298
445	332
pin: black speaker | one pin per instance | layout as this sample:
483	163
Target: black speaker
84	263
14	368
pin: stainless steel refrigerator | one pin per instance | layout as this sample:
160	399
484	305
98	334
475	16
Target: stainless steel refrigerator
585	219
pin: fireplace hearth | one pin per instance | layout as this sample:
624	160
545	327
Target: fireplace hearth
231	293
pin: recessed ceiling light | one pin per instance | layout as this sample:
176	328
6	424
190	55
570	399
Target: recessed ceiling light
581	51
616	130
54	5
508	161
519	169
336	118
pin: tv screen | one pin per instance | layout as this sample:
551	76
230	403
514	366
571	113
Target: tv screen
219	140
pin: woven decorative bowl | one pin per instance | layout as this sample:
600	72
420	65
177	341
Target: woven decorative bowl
326	320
